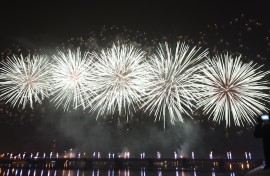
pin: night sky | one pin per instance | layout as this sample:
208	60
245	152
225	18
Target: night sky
241	27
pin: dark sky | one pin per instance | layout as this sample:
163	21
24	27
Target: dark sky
54	20
44	23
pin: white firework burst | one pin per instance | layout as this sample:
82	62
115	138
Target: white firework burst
24	80
120	75
71	79
173	88
236	90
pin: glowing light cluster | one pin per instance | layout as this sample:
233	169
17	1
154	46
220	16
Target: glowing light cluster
172	88
237	91
24	80
71	79
120	75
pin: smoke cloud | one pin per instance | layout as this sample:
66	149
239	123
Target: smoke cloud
84	133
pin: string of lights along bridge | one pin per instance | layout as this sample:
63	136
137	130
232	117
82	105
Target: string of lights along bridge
110	155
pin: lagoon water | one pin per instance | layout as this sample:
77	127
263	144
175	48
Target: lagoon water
111	172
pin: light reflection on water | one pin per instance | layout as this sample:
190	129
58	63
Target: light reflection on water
111	172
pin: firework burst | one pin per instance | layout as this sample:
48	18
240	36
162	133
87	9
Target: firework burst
173	88
71	79
24	80
120	75
235	90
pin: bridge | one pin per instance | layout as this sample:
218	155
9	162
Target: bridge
136	163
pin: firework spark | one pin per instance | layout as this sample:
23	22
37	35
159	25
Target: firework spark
71	79
235	90
172	87
120	75
24	80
